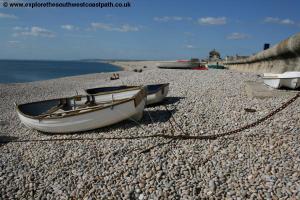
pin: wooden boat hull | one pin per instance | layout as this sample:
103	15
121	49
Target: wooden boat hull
155	93
89	119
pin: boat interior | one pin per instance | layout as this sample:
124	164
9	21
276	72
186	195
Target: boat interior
108	89
64	106
149	88
39	108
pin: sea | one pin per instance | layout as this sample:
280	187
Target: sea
20	71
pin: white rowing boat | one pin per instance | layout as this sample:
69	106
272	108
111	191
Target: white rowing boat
288	79
155	93
81	113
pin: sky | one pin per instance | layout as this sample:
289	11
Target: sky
148	29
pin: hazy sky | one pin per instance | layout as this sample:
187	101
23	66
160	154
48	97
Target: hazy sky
149	29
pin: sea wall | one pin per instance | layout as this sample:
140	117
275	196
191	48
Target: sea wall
282	57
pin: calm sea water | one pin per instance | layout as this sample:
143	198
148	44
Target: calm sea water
18	71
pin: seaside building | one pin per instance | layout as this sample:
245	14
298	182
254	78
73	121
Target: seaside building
214	55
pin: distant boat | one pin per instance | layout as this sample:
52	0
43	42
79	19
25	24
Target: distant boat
179	64
288	79
155	93
182	60
201	67
81	113
176	65
216	66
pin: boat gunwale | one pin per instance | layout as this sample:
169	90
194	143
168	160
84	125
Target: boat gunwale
162	85
114	91
41	117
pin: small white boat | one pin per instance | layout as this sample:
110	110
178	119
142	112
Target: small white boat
81	113
288	79
178	64
155	93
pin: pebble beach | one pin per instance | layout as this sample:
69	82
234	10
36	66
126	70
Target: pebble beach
262	162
